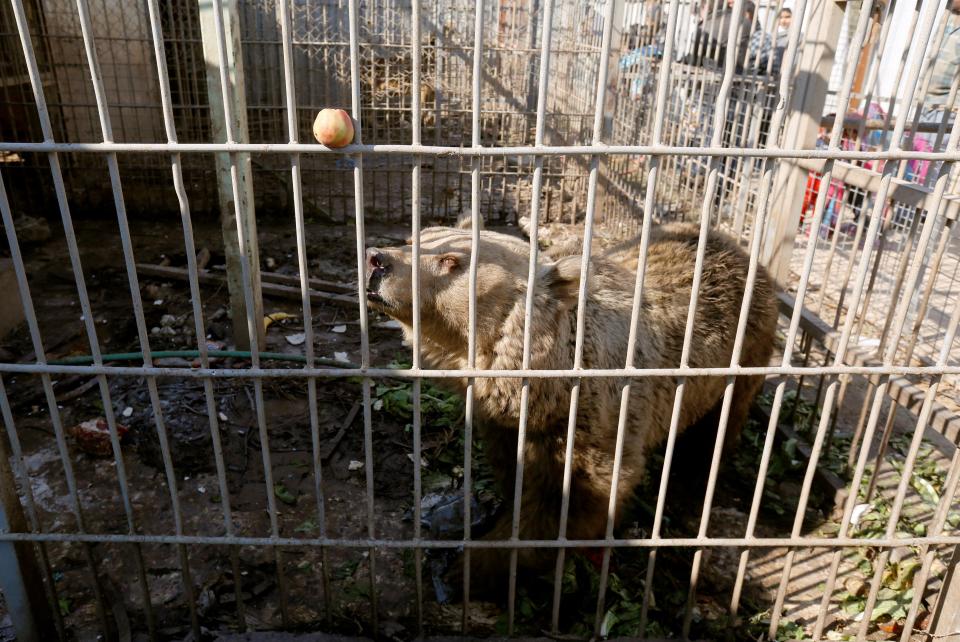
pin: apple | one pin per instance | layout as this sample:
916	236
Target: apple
333	128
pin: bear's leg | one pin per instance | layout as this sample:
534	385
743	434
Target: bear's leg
490	567
539	520
539	515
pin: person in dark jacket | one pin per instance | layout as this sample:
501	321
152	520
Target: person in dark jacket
710	43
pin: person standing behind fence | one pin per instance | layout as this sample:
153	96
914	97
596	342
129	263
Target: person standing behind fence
713	30
763	45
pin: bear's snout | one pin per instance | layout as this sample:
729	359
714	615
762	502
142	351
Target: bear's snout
377	267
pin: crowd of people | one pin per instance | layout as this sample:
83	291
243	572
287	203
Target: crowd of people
756	49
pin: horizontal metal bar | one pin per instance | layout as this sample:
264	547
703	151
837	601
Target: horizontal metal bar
453	152
871	124
648	542
901	191
632	373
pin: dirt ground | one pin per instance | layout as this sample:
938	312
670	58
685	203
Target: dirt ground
183	408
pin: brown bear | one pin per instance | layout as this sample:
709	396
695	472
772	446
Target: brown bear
503	263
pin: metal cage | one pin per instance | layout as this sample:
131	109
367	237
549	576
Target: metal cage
183	119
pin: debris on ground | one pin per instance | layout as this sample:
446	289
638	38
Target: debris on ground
276	317
441	514
32	229
93	436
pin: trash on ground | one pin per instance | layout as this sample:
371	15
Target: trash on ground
858	512
93	436
296	339
441	515
423	462
276	317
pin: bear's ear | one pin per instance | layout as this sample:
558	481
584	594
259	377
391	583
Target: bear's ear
465	222
562	279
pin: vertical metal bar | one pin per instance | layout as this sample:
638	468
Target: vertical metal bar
33	519
55	420
254	327
945	619
879	458
476	102
926	25
581	305
877	54
928	553
303	267
741	328
438	60
757	89
130	264
193	279
828	264
415	116
535	198
891	105
700	76
353	19
768	178
20	578
761	91
653	168
899	320
60	190
723	95
748	82
917	100
911	458
906	255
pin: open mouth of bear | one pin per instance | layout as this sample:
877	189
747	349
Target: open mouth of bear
374	297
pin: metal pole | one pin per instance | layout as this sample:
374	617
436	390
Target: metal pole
19	572
233	132
805	109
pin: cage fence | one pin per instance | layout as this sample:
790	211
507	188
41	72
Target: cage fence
253	495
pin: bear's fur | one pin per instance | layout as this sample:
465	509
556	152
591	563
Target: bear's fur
503	263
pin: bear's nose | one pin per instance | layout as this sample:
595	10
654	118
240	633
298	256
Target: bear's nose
376	259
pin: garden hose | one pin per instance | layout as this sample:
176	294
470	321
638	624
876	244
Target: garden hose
86	359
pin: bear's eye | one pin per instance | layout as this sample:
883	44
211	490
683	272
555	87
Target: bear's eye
449	262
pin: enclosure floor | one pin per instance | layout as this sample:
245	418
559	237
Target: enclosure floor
824	295
331	251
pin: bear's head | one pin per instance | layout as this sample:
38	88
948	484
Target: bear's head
503	263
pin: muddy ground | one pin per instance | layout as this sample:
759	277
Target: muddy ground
302	603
